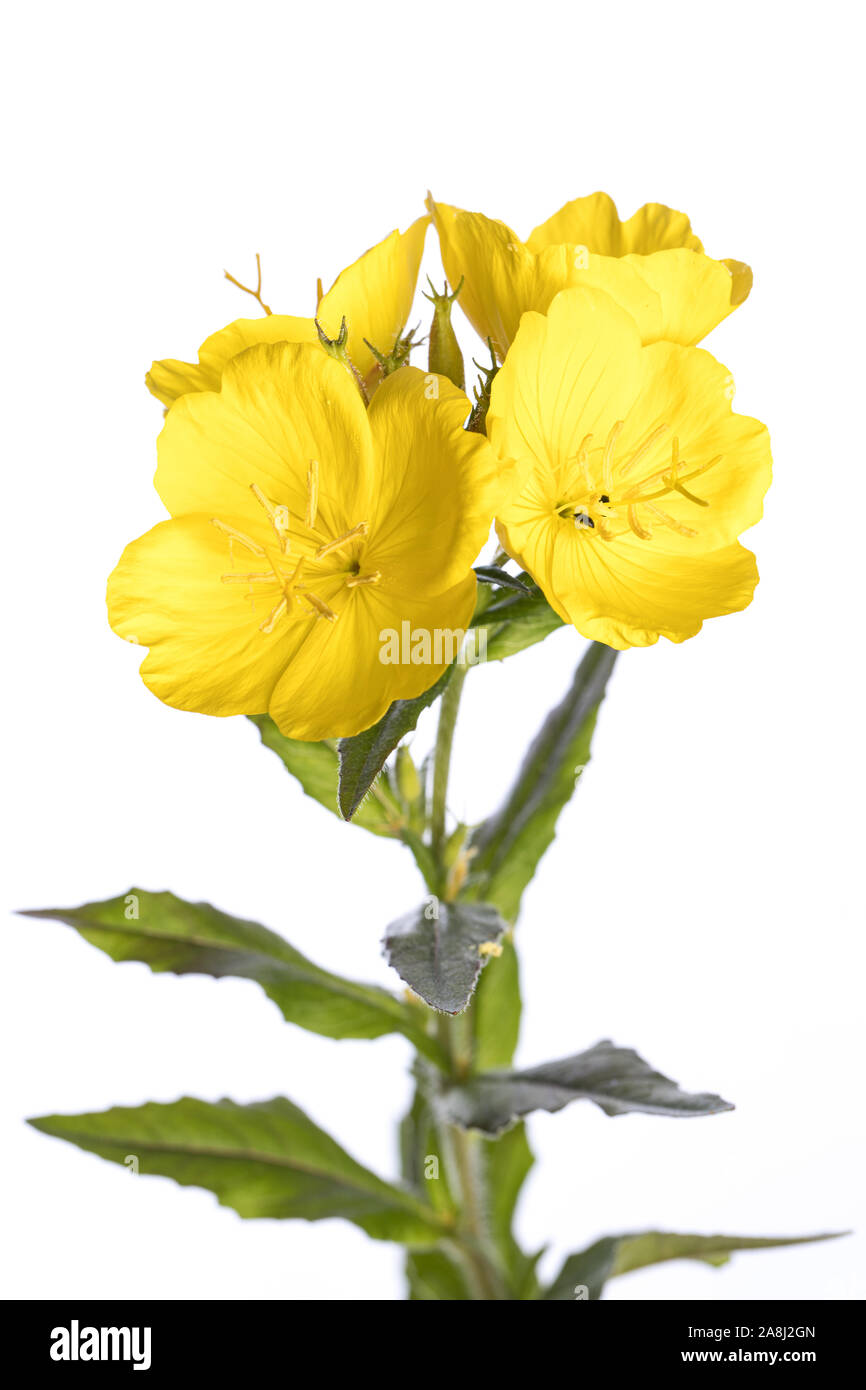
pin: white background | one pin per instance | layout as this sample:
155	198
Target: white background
700	902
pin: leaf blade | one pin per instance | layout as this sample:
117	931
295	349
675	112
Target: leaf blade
435	950
616	1079
266	1159
170	934
510	843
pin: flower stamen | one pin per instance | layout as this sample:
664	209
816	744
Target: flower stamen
360	530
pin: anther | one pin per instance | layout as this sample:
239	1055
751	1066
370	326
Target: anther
607	459
359	530
320	606
640	531
357	579
238	536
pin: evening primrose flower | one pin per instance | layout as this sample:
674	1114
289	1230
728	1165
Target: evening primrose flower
637	477
303	527
374	295
652	264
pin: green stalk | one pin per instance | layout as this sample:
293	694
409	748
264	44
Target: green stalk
450	704
460	1149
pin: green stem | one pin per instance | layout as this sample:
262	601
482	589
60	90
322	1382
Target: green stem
462	1151
449	705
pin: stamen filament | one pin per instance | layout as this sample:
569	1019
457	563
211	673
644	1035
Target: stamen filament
276	613
313	493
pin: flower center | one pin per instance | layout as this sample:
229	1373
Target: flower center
301	560
608	500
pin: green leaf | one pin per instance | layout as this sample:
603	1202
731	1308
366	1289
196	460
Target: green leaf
507	1162
496	1008
434	1275
510	843
517	621
492	574
616	1255
363	757
169	934
615	1078
435	949
264	1160
317	767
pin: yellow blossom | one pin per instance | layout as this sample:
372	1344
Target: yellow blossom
652	264
303	527
374	295
637	476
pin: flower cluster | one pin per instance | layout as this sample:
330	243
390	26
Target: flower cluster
321	490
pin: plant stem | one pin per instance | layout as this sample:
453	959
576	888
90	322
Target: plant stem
448	708
464	1152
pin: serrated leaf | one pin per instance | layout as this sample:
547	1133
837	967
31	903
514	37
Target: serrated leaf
317	766
267	1159
616	1255
616	1078
435	949
168	934
509	844
517	621
363	757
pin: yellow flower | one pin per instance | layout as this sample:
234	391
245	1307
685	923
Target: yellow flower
653	265
303	527
637	477
374	294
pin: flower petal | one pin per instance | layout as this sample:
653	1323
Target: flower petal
207	652
375	295
695	292
628	594
280	407
169	379
594	222
438	488
569	375
337	683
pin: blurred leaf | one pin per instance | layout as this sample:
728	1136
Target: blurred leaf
264	1160
435	949
615	1078
496	1011
507	1162
434	1275
363	757
615	1255
317	767
169	934
510	844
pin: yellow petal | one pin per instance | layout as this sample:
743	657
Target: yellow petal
637	475
569	375
337	683
594	222
437	496
625	595
695	293
375	296
206	650
280	407
169	379
691	393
